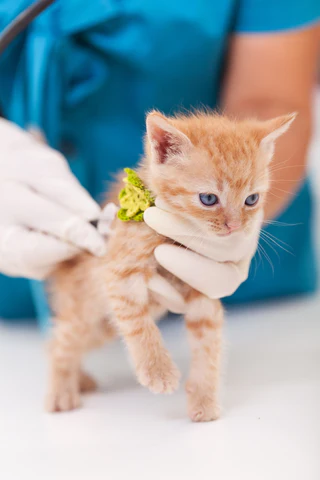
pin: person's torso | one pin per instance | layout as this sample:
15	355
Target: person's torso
89	71
99	71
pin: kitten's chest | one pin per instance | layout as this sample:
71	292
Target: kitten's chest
131	252
134	243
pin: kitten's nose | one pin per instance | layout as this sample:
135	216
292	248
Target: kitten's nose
232	226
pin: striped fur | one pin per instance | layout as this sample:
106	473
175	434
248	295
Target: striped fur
96	299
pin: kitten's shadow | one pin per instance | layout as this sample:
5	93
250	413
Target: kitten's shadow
124	382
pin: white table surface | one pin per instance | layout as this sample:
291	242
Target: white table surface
270	428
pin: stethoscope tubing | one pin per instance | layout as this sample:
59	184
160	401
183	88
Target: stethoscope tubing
21	22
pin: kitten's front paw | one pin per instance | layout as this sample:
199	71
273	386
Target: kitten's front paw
202	405
159	374
63	396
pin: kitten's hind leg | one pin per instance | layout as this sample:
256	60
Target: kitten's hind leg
204	324
69	343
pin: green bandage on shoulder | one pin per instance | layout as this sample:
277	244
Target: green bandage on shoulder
134	198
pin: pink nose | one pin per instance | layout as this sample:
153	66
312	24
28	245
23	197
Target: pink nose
232	226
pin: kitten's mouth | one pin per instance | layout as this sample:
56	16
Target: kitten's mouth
225	234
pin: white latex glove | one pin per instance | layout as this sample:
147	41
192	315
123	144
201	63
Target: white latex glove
44	211
212	265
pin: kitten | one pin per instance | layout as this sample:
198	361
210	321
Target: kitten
187	158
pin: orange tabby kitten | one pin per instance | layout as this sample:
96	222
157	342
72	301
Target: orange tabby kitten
187	159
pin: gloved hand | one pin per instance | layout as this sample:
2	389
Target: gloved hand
212	265
44	211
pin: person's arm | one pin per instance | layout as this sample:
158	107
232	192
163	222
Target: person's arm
269	75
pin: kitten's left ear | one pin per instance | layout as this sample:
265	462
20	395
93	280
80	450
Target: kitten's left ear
273	129
166	141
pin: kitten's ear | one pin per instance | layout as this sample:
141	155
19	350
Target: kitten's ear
273	129
165	140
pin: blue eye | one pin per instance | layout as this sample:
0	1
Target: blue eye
252	199
208	199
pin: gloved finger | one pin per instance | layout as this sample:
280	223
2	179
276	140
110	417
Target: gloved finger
214	279
69	193
107	216
167	295
182	231
231	248
167	224
28	208
48	171
31	254
42	161
12	135
109	212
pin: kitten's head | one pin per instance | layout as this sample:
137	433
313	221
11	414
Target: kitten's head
212	170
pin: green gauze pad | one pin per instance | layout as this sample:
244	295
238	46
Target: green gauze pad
134	198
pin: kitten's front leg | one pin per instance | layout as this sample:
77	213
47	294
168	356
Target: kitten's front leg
204	324
130	303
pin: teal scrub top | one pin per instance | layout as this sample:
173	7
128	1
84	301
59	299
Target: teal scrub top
86	72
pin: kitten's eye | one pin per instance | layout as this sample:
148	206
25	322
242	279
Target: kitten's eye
252	199
208	199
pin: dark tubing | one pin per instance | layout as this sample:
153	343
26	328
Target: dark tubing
21	22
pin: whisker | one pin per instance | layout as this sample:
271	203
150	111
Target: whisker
282	180
272	193
273	240
294	194
276	223
277	168
276	238
260	259
280	166
269	245
268	258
